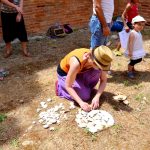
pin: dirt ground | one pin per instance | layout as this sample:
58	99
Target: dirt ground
31	80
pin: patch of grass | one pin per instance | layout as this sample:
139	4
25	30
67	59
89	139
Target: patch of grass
126	83
2	117
138	86
14	143
117	127
139	97
92	135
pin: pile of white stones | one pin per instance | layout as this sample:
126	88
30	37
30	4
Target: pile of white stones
95	120
53	115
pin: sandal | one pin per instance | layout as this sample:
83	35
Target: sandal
26	54
7	54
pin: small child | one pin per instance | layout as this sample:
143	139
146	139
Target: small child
135	49
131	10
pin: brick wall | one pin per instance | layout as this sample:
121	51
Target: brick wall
144	8
40	14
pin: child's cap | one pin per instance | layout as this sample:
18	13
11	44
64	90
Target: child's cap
138	19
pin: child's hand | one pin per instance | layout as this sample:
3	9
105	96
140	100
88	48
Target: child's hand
130	55
127	29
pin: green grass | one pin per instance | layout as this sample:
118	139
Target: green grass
14	143
126	83
139	97
2	117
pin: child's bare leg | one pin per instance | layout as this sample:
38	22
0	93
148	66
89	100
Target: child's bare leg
118	46
8	50
24	48
130	68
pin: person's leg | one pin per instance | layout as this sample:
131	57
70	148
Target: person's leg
136	62
24	49
118	46
97	37
82	91
8	50
83	85
130	68
22	35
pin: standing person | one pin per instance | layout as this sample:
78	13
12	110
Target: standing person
135	49
80	71
13	25
131	11
100	22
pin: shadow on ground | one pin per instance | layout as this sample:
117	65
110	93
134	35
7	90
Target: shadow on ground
121	77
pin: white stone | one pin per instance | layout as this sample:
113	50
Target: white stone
38	110
34	122
126	102
120	97
49	100
45	126
51	128
95	120
26	143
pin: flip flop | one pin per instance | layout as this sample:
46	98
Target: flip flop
6	55
26	54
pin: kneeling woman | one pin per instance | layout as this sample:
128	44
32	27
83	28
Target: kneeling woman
80	71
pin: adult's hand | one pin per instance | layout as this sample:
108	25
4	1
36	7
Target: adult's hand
85	106
95	103
19	9
106	31
18	17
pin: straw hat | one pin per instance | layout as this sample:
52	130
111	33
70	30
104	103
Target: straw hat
103	57
138	19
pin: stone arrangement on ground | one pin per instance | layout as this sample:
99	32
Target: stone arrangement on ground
95	120
54	115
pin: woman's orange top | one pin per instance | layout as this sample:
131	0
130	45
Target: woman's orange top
78	53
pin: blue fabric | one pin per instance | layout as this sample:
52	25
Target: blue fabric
97	37
117	26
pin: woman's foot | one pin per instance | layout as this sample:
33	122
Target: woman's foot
7	54
26	54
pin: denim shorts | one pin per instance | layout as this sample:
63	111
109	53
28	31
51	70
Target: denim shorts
97	37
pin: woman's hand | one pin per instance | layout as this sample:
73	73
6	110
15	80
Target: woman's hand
95	103
85	106
18	17
19	9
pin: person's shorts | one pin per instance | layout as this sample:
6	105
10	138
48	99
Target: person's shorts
97	37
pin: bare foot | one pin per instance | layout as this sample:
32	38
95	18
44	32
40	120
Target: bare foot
26	54
7	54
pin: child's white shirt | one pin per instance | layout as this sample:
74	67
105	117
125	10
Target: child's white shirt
138	50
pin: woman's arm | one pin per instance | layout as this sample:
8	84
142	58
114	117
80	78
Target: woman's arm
21	4
102	85
12	5
124	15
71	76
